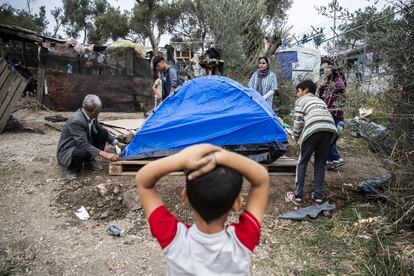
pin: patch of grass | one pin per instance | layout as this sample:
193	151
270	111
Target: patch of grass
339	246
8	267
314	272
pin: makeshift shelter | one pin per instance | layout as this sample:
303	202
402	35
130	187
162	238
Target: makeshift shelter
299	63
214	110
65	71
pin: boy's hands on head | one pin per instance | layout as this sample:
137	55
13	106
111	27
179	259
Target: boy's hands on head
210	164
196	157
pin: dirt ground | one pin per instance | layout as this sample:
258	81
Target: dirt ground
40	230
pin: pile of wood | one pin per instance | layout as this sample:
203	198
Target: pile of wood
12	85
123	130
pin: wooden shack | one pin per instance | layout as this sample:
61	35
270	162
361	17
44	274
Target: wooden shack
66	72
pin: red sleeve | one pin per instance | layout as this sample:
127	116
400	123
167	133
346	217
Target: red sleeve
163	226
248	230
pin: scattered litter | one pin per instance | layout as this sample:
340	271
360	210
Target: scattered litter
376	134
115	231
363	112
349	185
365	128
374	188
366	221
365	237
311	211
82	214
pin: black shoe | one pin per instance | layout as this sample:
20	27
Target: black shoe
333	165
93	165
71	175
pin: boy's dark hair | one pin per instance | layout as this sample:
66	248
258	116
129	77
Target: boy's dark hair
213	194
310	85
156	60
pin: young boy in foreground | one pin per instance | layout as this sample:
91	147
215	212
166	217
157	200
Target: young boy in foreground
213	185
314	130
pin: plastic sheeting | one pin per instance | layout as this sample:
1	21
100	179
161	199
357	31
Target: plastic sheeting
312	211
214	110
299	63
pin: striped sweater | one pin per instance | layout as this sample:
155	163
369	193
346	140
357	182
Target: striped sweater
311	115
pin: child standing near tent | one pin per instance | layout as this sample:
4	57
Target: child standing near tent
314	130
214	182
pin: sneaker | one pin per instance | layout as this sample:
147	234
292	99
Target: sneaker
71	175
316	200
93	165
290	196
333	165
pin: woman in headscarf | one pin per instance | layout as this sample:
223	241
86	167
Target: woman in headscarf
264	81
332	91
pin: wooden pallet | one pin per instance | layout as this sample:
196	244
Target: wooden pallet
282	166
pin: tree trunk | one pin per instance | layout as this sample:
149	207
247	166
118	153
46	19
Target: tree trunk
154	43
84	33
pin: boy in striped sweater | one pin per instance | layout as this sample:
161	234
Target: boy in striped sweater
314	130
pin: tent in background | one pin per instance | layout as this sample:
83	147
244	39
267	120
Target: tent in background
299	63
215	110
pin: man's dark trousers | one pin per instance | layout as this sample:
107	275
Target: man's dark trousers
80	156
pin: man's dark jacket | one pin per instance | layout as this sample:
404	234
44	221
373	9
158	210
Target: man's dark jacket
75	134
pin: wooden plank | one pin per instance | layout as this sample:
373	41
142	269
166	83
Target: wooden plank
10	108
122	130
10	94
113	131
282	166
132	124
5	82
6	87
3	65
40	84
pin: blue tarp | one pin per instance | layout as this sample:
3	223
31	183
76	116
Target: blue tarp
285	60
211	109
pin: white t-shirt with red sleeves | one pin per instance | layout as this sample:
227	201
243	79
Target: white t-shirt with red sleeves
189	251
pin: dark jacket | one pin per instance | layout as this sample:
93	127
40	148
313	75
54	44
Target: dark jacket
75	134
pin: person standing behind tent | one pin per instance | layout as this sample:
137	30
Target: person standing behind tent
157	90
169	77
332	91
264	80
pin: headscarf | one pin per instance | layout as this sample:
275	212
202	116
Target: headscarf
260	75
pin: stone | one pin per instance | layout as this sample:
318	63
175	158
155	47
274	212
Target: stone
104	215
116	190
130	200
102	190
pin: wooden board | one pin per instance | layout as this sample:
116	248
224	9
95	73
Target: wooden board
282	166
12	85
132	124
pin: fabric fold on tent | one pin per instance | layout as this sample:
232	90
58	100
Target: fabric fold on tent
215	110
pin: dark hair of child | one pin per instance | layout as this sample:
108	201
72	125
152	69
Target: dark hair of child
310	85
213	194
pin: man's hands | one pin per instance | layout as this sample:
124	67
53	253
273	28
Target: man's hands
196	157
109	156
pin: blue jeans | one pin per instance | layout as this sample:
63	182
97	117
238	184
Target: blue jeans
333	150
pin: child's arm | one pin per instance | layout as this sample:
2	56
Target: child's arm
255	173
298	121
190	158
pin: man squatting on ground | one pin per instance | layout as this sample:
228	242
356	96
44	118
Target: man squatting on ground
213	185
83	138
314	129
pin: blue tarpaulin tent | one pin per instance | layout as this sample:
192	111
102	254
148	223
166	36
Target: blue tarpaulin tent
215	110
